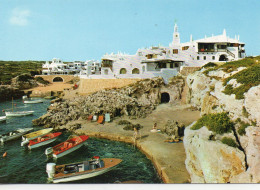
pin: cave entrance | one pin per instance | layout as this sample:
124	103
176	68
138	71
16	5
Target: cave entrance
165	97
57	79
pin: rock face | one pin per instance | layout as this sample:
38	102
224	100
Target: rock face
136	100
174	129
210	161
7	92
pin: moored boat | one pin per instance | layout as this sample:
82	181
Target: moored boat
2	118
14	134
66	147
18	113
43	140
35	134
36	101
80	170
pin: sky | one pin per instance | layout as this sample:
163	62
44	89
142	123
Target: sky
87	29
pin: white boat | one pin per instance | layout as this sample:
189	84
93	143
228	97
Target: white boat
2	118
25	97
14	134
26	138
18	113
80	170
66	147
43	140
33	101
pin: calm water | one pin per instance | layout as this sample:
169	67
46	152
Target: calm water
24	166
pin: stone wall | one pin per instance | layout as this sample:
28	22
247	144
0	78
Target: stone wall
88	86
188	70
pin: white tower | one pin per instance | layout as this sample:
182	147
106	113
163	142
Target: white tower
176	36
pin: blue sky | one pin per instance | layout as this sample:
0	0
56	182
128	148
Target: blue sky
87	29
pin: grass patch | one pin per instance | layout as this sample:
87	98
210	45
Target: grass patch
209	64
229	141
247	78
11	69
219	123
242	129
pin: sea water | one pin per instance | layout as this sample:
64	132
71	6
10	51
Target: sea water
29	167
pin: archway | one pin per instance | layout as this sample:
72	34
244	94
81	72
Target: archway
223	58
123	71
135	71
165	97
57	79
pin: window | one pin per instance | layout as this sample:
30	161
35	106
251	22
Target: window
123	71
204	57
185	47
175	51
198	57
213	57
171	65
106	72
135	71
176	64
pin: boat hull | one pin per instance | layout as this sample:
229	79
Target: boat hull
42	143
76	177
2	118
68	151
32	101
45	132
9	138
18	114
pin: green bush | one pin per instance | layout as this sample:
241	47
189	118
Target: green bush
229	141
209	64
219	123
123	122
242	129
247	78
24	78
244	112
41	80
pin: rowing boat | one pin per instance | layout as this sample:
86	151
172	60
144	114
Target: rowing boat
14	134
43	140
35	134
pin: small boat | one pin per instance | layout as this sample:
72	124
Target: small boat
33	101
14	134
2	118
80	170
18	113
26	138
43	140
25	97
66	147
49	97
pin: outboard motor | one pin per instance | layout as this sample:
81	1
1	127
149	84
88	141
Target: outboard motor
50	169
49	151
25	142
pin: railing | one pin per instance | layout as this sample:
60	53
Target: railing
230	53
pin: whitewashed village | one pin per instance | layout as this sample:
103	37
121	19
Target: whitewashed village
157	61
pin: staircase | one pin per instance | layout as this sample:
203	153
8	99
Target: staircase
230	53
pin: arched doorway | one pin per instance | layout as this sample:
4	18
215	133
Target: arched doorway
165	97
223	58
123	71
57	79
135	71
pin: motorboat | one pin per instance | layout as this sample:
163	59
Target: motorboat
43	140
14	134
33	101
2	118
18	113
26	138
80	170
66	147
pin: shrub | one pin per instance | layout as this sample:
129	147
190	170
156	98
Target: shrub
219	123
132	126
24	78
242	129
123	122
209	64
41	80
229	141
244	112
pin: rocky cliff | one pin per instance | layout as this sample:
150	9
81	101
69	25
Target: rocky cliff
135	100
232	88
7	93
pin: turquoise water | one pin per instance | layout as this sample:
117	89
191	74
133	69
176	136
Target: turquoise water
28	167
